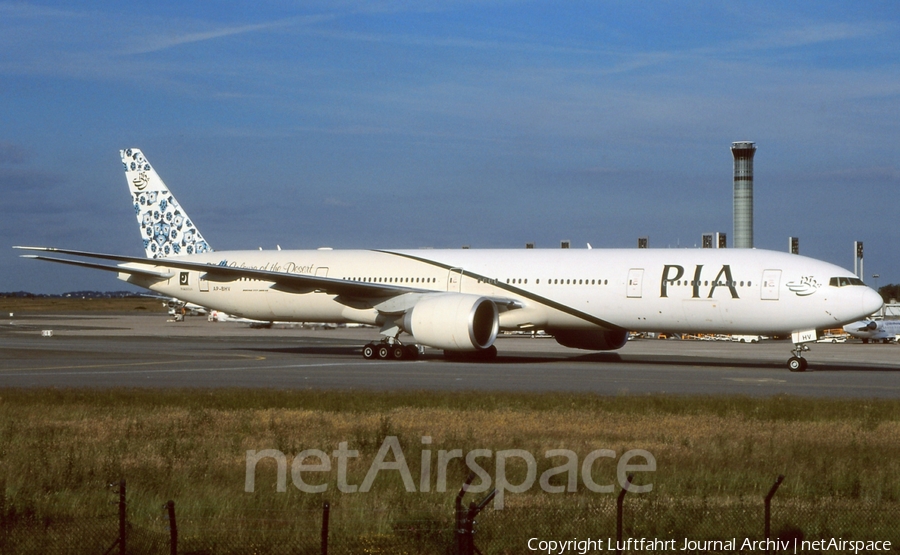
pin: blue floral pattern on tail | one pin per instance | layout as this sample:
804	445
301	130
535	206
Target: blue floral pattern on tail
165	227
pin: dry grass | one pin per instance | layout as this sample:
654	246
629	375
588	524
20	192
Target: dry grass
58	449
26	305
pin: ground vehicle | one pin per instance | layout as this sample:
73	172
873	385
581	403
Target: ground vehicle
746	338
832	339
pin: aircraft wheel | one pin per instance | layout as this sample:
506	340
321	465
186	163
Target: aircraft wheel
412	352
796	364
384	352
398	352
368	352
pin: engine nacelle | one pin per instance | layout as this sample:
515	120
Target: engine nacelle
599	340
454	321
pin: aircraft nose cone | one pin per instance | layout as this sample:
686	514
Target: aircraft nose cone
871	301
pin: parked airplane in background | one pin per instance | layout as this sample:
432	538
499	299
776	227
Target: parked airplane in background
873	330
458	300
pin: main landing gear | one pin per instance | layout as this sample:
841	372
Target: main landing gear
391	349
386	350
797	363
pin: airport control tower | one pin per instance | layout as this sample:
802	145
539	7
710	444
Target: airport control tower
743	152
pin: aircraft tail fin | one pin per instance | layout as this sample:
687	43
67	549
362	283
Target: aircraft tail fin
165	227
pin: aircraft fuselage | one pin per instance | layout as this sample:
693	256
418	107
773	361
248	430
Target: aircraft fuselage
683	290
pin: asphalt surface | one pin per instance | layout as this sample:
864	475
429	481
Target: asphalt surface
144	350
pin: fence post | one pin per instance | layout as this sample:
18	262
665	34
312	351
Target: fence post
4	532
465	519
768	504
461	517
122	518
619	503
474	509
173	529
326	509
120	541
470	529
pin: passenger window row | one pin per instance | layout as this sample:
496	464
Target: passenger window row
557	281
691	283
392	279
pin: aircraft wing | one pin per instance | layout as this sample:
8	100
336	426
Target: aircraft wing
351	292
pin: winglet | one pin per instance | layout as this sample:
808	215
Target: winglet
165	227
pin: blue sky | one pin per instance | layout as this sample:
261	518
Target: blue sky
419	124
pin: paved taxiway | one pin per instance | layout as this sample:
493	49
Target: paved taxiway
143	350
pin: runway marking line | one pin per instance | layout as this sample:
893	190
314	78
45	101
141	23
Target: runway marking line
110	365
755	380
41	371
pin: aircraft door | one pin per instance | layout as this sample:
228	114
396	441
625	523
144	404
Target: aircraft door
204	283
635	279
771	280
454	279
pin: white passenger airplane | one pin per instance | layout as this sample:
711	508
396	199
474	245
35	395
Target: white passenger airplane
873	330
458	300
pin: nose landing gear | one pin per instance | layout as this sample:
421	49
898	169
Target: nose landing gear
797	363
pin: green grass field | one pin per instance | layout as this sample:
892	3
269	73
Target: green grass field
715	456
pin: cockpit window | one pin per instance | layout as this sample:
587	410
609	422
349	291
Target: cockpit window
845	281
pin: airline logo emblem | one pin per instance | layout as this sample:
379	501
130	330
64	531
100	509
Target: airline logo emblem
805	287
141	181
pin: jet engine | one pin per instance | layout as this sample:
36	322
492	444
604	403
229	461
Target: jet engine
594	340
454	321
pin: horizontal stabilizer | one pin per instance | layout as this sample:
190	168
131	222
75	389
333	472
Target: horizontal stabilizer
86	254
118	269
